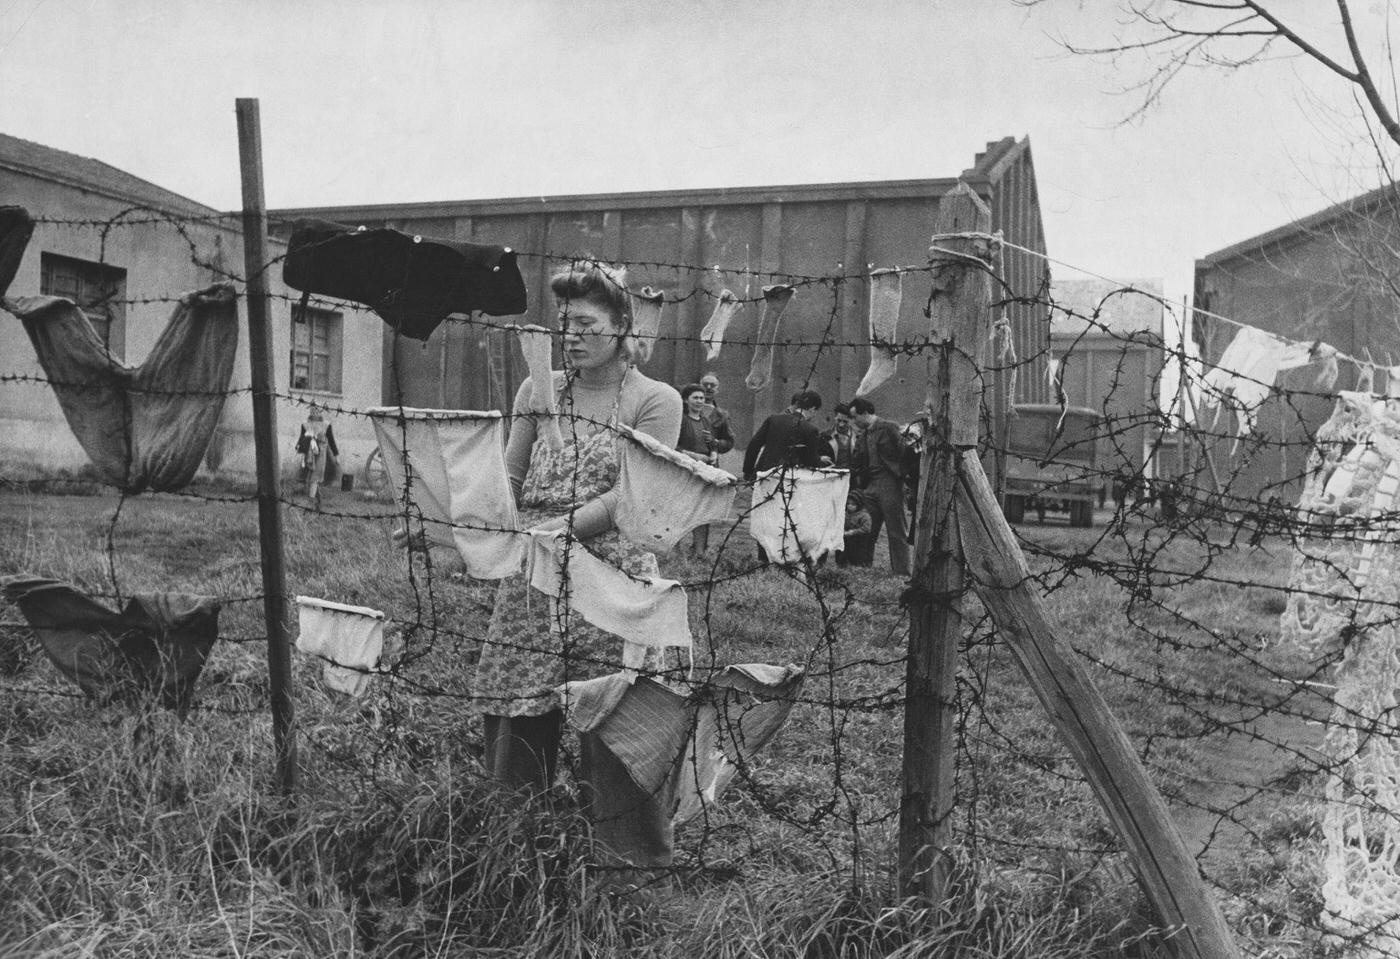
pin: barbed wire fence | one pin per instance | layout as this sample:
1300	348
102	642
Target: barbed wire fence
1237	599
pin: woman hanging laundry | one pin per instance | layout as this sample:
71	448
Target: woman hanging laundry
533	646
698	441
319	455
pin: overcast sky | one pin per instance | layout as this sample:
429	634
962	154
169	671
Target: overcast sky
456	99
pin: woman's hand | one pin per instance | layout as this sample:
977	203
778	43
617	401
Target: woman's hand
551	525
415	542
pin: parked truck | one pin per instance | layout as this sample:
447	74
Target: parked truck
1054	462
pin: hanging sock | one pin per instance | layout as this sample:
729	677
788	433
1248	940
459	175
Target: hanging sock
537	344
799	513
349	639
644	611
713	333
663	494
16	227
156	645
684	749
148	425
456	463
412	282
646	319
775	302
886	293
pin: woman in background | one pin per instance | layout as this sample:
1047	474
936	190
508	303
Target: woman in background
319	454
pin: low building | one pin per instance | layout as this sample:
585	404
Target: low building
125	249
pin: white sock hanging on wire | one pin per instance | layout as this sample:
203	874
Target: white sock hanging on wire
537	344
775	301
646	319
713	333
886	294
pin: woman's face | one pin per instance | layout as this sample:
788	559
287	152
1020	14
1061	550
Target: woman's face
695	402
591	333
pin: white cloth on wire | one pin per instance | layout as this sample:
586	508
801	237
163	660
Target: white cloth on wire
450	466
799	512
684	749
1245	375
350	639
664	494
645	611
886	294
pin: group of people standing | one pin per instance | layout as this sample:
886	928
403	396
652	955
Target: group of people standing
872	448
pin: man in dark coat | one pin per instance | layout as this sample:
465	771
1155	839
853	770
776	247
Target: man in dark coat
720	426
878	469
787	439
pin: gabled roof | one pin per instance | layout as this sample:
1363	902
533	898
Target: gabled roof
993	161
1363	205
59	166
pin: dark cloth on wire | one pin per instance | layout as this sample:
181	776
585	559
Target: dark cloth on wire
413	283
148	425
16	227
156	646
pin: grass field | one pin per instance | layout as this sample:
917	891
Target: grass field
136	834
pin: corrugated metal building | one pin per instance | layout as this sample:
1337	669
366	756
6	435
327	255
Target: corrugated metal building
693	243
1331	276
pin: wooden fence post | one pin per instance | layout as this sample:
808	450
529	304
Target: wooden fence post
264	383
959	328
1164	867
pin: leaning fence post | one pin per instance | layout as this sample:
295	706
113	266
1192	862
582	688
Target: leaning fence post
960	323
260	353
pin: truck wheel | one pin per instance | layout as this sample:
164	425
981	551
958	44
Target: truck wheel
1015	509
1081	514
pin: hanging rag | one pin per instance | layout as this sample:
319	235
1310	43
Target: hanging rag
449	468
349	639
156	645
799	512
537	345
148	425
886	294
684	749
713	333
775	302
663	494
646	320
1245	375
412	282
646	612
16	227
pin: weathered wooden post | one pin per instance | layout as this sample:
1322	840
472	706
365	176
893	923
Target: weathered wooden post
959	328
260	353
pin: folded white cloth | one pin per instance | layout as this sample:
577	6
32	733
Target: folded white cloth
684	749
350	639
645	611
456	463
663	494
799	512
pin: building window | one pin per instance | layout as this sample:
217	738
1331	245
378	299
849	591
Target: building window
98	289
316	350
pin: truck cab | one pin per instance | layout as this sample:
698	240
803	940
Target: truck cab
1053	462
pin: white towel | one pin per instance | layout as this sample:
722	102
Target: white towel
349	638
663	494
886	294
457	464
713	333
799	512
645	611
1249	367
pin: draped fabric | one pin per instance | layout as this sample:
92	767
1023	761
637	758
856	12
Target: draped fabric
141	426
156	646
16	227
886	294
713	334
348	639
412	282
448	467
799	513
664	494
685	748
